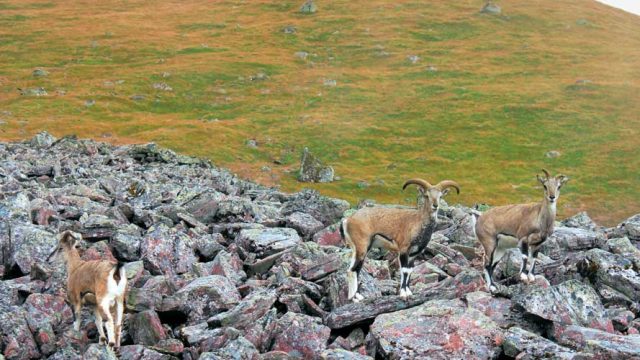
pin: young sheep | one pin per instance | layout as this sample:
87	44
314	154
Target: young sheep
404	231
99	282
530	224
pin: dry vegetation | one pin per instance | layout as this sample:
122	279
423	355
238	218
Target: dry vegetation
488	98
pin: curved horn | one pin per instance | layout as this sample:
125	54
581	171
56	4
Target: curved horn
424	184
448	183
546	173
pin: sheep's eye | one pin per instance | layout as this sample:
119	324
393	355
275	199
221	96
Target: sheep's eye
545	187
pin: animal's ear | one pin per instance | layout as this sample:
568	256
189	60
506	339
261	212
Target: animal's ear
562	179
445	192
541	179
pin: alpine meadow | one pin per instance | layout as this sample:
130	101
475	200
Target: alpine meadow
383	91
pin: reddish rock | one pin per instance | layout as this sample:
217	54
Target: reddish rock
228	265
601	344
16	337
438	329
167	251
329	236
301	336
146	329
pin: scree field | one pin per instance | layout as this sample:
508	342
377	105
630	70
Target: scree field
381	90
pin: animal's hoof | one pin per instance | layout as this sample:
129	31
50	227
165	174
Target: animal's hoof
408	292
102	341
112	345
358	297
493	289
532	278
524	278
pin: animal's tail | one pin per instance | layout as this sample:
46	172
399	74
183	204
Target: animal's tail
120	276
343	224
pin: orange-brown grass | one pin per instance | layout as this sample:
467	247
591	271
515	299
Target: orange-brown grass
503	94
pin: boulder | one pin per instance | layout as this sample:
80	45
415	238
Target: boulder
167	251
565	240
601	344
310	262
247	312
326	210
569	303
18	342
580	220
437	329
228	265
203	297
267	241
631	227
329	236
615	271
451	288
300	336
126	242
45	315
305	224
29	244
312	169
146	329
99	352
522	344
139	352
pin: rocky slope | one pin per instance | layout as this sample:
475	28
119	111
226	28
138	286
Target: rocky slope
222	268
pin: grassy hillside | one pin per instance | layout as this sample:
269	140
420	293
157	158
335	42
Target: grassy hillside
488	97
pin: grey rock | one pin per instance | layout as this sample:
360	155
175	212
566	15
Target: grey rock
313	170
580	220
305	224
552	154
36	91
491	8
565	240
601	344
126	242
167	251
309	7
39	73
268	241
29	244
524	344
203	297
42	140
569	303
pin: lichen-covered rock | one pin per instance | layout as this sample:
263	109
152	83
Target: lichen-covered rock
45	314
248	310
301	336
496	308
569	303
139	352
167	251
267	241
615	271
580	220
18	343
305	224
326	210
566	239
126	242
99	352
29	244
312	169
601	344
437	329
520	343
203	297
228	265
310	262
146	329
631	228
341	354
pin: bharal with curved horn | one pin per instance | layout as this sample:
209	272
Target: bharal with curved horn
405	231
